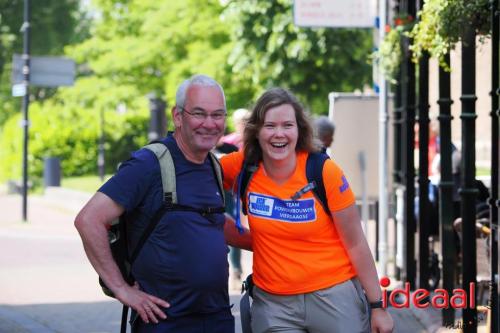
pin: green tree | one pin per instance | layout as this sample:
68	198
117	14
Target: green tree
154	45
54	24
68	126
270	50
135	48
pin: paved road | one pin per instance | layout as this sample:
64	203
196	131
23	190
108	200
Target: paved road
47	284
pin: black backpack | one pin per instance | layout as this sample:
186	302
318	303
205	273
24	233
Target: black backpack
117	234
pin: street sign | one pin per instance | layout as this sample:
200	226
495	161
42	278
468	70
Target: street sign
334	13
45	71
19	90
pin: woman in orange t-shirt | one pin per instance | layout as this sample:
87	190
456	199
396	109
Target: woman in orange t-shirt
313	271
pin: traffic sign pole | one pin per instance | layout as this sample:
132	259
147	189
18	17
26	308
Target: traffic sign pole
26	79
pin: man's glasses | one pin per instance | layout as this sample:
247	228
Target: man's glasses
203	116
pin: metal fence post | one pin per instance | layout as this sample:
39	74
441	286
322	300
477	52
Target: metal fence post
446	216
468	190
423	172
408	80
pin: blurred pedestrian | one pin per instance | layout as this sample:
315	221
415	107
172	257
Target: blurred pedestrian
325	131
234	140
239	119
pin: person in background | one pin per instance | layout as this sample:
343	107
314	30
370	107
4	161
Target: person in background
239	119
433	146
325	130
312	269
228	144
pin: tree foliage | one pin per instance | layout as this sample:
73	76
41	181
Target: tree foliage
68	126
154	45
54	24
138	47
270	51
135	48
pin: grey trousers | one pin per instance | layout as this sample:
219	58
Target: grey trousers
338	309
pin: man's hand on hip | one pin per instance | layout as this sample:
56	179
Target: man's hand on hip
147	306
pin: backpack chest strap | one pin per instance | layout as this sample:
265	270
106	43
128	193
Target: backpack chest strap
202	211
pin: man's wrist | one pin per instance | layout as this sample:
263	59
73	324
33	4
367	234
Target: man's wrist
378	304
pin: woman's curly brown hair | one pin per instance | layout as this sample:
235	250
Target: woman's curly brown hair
272	98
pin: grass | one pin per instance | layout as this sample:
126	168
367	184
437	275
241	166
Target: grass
83	183
483	171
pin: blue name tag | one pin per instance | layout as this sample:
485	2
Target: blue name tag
295	211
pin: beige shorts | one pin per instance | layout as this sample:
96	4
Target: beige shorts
337	309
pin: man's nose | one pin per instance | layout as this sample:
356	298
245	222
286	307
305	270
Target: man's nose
210	122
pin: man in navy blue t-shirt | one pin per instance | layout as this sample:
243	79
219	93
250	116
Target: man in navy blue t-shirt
182	269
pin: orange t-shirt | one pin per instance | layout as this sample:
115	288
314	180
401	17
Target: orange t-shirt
296	247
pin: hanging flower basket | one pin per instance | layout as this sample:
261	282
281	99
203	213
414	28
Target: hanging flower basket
442	23
390	50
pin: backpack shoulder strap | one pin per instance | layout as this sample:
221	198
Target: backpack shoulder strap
246	174
314	174
167	169
218	174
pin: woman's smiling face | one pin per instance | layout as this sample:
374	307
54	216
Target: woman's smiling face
279	133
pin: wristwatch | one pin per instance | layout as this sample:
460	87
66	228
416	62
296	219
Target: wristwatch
377	304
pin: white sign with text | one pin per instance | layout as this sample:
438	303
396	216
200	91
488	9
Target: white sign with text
335	13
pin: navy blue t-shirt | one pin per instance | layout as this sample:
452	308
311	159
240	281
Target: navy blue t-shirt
184	260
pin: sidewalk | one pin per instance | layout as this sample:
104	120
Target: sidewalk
48	286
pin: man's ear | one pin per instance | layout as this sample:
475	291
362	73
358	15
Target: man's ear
176	116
